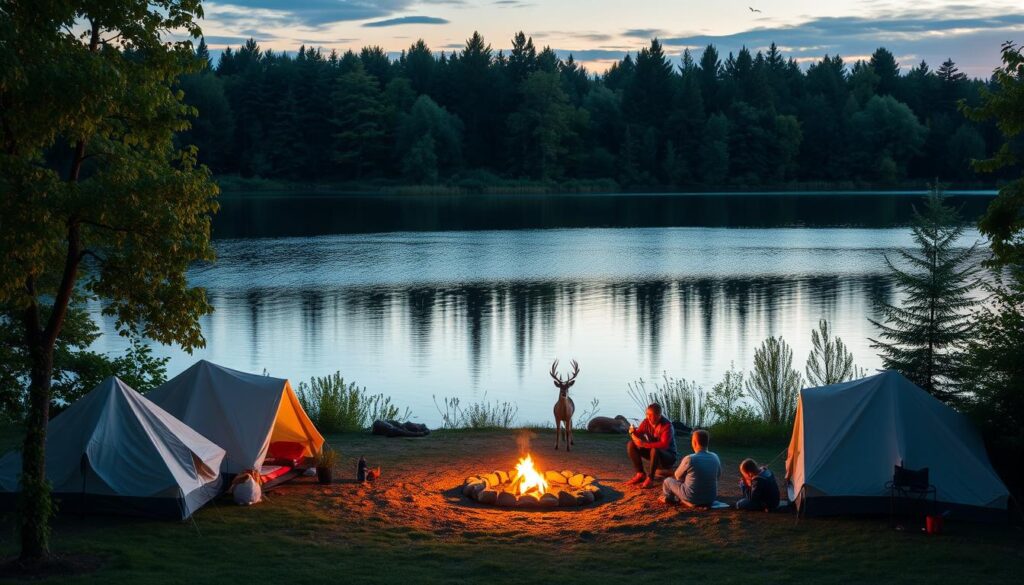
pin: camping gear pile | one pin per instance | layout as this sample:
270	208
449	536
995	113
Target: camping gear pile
170	452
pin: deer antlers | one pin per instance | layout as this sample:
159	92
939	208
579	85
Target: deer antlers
572	377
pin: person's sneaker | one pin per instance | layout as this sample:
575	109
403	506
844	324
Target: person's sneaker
668	502
639	477
647	484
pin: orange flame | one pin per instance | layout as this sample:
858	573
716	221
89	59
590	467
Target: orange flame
529	478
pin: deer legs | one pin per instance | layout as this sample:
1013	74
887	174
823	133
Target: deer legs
563	428
564	410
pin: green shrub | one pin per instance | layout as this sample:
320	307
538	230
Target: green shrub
335	407
774	384
726	396
680	400
476	415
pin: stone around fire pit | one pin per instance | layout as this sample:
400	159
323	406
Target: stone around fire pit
566	489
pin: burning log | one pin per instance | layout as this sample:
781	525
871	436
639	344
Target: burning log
527	487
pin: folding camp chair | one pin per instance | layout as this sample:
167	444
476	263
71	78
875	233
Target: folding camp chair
910	484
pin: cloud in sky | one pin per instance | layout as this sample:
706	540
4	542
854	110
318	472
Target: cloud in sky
643	33
406	20
971	40
311	12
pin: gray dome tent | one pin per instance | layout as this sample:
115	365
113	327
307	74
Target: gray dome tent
115	451
848	437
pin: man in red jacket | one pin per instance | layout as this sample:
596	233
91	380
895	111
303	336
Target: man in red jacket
654	440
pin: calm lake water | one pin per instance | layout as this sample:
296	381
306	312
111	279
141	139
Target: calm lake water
473	297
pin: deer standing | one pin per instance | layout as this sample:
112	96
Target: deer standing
565	406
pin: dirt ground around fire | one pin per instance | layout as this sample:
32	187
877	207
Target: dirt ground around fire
420	488
414	526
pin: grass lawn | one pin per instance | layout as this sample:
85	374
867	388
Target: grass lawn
414	526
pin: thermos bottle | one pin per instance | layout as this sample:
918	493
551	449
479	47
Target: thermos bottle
361	469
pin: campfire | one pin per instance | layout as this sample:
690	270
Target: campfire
527	487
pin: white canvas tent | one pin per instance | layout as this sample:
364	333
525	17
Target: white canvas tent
241	412
848	437
115	451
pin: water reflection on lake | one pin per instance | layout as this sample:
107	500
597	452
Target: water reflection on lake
475	313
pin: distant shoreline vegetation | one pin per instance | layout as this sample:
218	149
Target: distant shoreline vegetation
527	121
235	185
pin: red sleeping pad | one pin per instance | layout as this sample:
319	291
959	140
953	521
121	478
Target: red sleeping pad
271	472
285	453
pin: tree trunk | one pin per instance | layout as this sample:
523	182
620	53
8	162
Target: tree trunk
36	508
34	503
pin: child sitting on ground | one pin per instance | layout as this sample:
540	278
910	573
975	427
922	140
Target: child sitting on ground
760	492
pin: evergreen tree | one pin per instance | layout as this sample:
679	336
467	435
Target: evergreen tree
522	60
843	123
359	123
714	150
829	362
647	97
923	336
541	127
203	55
710	70
883	63
418	66
472	75
376	63
212	129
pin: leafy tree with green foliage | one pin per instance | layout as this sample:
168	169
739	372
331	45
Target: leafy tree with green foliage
427	120
829	362
725	398
419	164
1003	223
773	384
123	215
76	369
995	363
923	337
887	134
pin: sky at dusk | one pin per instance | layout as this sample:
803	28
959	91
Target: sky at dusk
598	32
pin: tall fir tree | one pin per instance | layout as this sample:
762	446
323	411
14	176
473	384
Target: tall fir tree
359	124
923	336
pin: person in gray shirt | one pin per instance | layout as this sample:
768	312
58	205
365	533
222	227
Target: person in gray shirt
696	479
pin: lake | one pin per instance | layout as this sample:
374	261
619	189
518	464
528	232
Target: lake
474	296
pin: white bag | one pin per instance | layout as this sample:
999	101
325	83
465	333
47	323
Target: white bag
248	492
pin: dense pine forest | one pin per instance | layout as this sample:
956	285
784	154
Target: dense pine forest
479	116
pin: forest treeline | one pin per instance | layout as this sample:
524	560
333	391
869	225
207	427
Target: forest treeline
749	119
